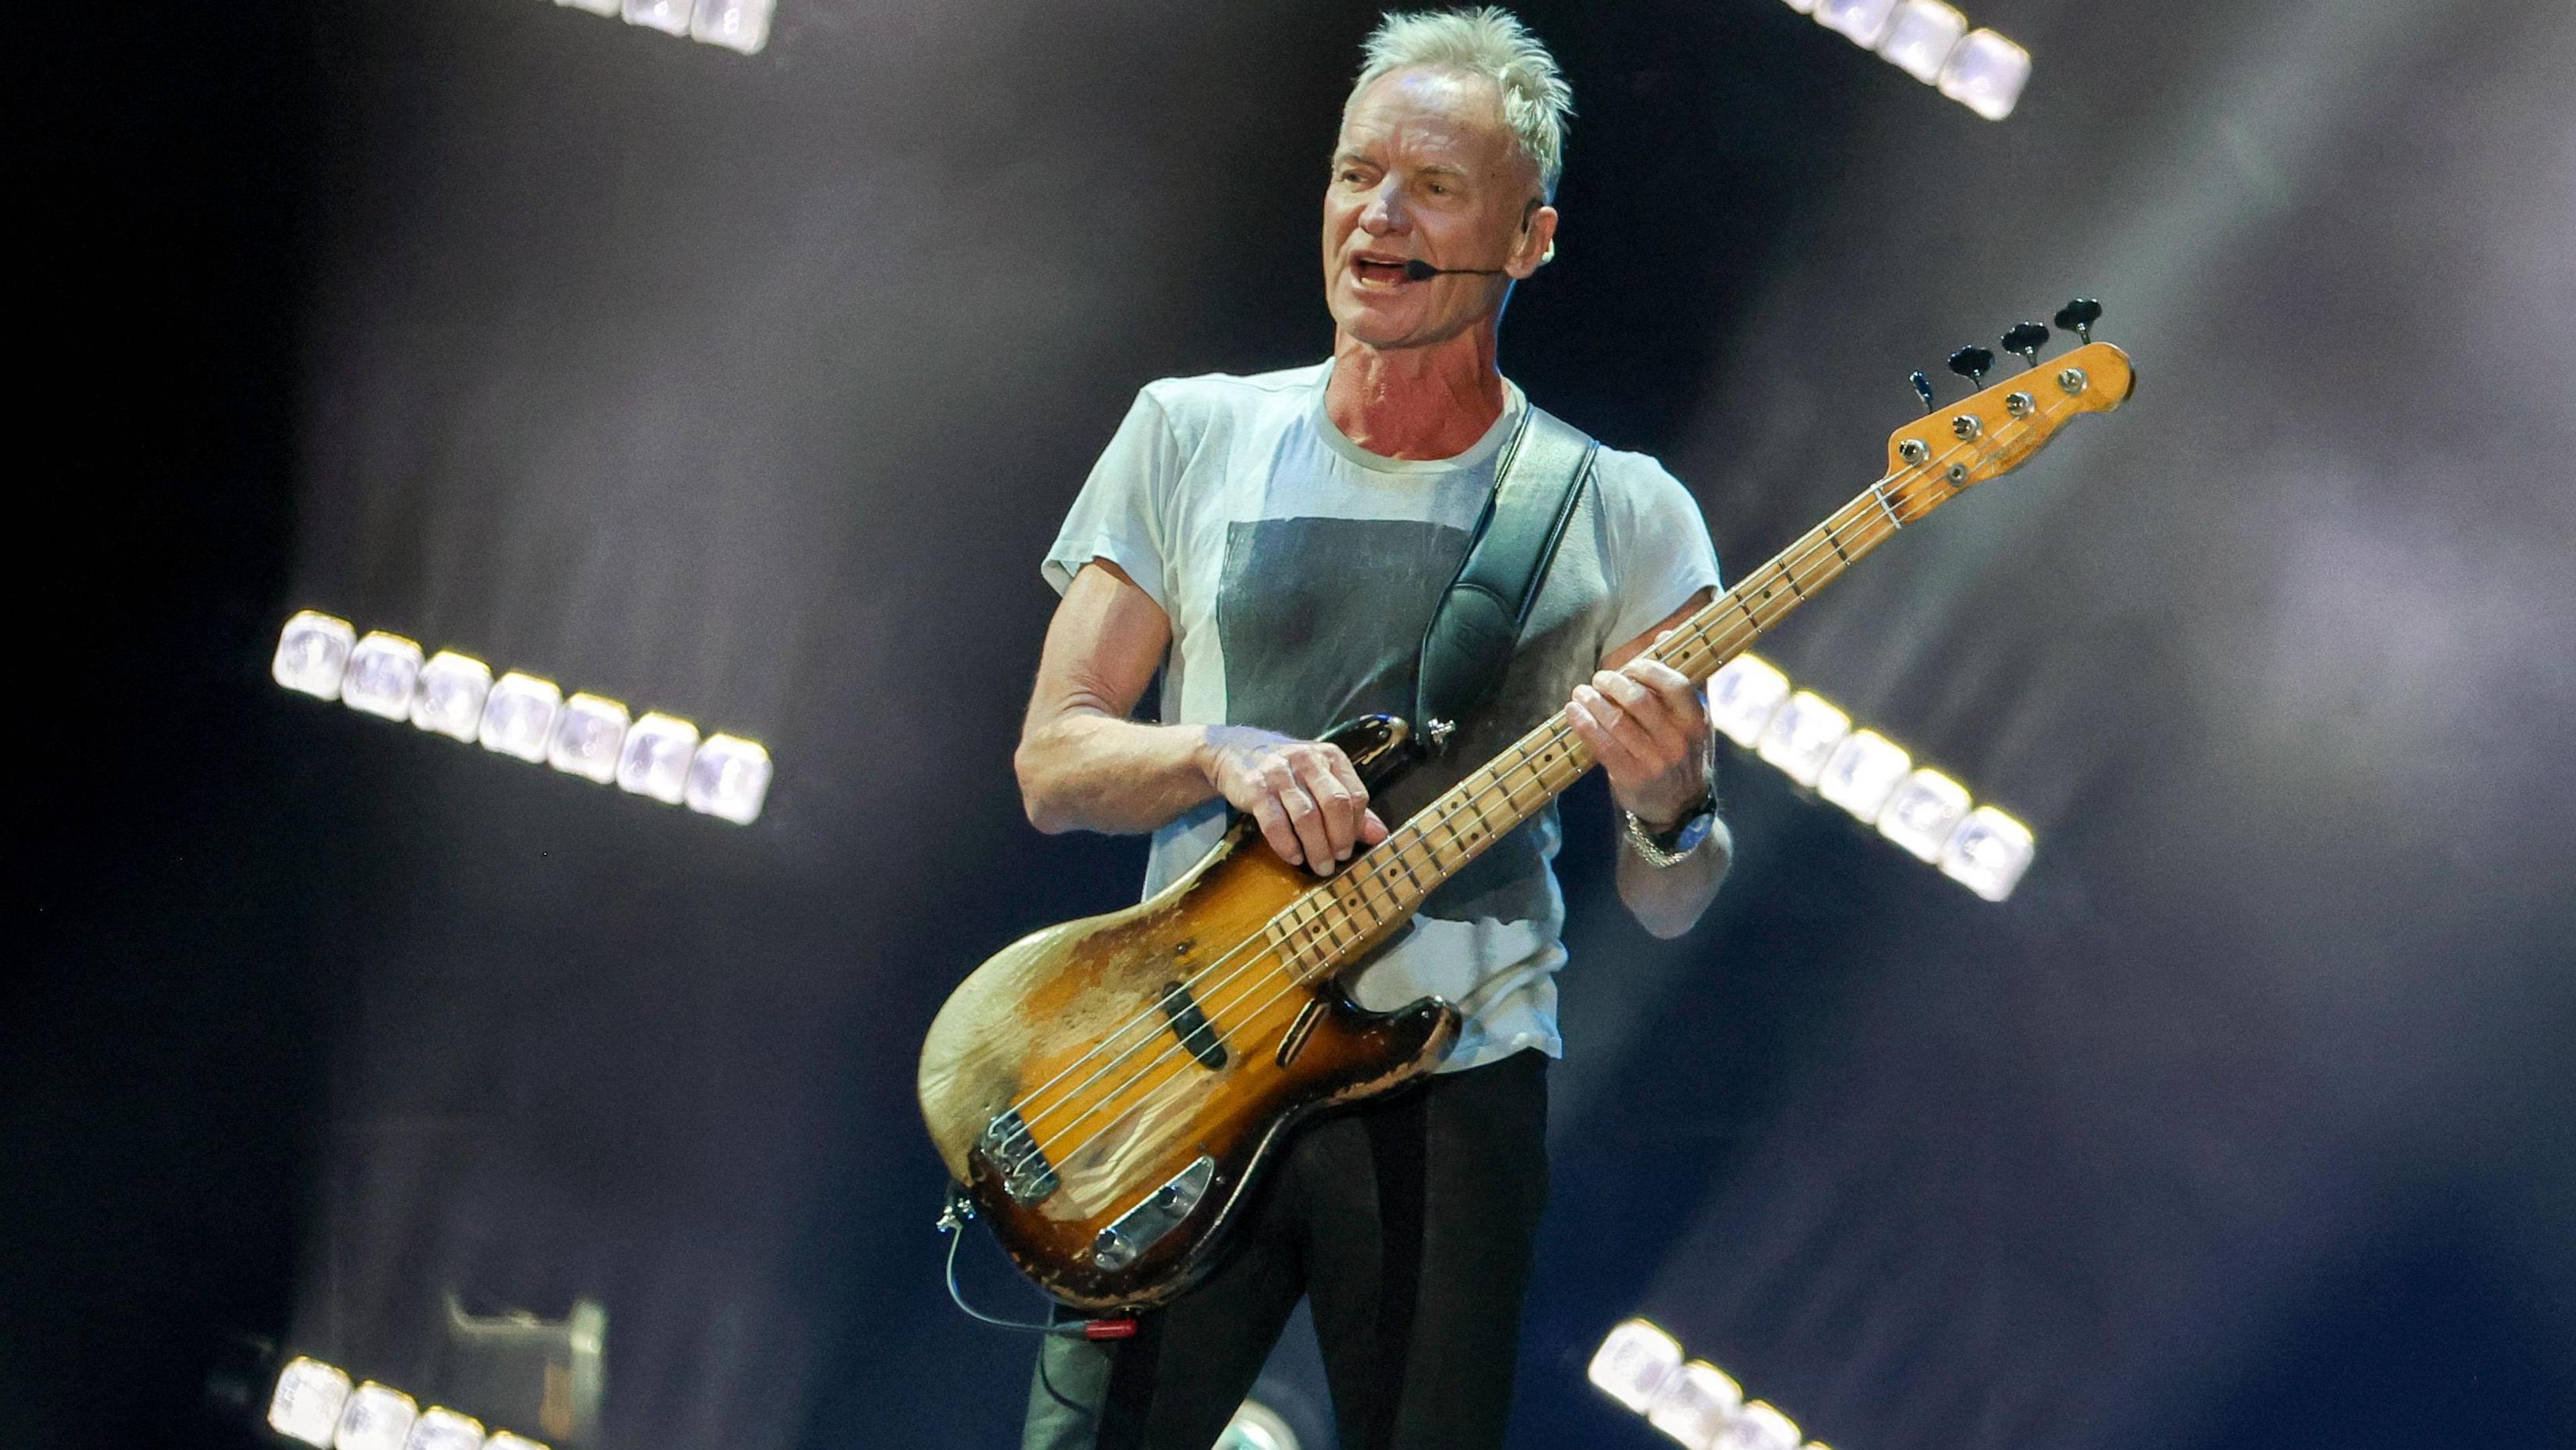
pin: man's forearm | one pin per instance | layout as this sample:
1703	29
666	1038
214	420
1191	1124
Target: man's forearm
1090	771
1667	900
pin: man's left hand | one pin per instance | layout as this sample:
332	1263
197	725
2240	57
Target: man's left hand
1647	727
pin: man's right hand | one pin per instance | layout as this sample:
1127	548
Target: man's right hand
1304	794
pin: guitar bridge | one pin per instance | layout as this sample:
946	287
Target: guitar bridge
1143	1226
1027	1176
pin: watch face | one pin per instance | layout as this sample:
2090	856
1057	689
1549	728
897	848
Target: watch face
1694	831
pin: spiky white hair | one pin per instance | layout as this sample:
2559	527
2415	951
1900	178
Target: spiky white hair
1489	42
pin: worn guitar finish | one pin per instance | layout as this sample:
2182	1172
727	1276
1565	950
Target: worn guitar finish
1109	1088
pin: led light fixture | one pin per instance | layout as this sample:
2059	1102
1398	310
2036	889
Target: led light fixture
671	16
378	1417
439	1429
313	654
1633	1362
655	758
1758	1427
658	755
729	779
741	25
1863	772
588	735
1803	735
519	716
1920	35
504	1440
1742	696
1988	853
1985	73
1867	774
1864	21
450	698
382	670
1803	7
1694	1404
308	1400
595	7
1922	812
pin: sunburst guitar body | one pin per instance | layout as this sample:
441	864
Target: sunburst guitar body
1108	1090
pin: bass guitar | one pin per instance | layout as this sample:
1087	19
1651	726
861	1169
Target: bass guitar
1106	1090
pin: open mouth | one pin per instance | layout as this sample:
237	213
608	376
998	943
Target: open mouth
1380	271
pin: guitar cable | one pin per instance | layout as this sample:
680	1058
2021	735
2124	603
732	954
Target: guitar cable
953	1218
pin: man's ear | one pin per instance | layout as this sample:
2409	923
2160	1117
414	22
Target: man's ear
1538	241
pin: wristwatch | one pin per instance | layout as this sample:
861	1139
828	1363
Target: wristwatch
1668	847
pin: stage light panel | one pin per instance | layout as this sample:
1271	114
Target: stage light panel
1862	773
1922	813
444	1429
1742	697
655	759
1758	1427
449	700
378	1417
1985	73
1634	1360
504	1440
741	25
1920	35
729	779
664	15
1694	1404
1803	7
307	1402
587	737
1988	853
519	716
1802	736
313	654
382	669
595	7
1864	21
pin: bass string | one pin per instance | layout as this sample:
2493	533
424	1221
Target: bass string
1213	1010
1377	870
1807	551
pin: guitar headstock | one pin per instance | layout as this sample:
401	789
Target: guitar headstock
1996	430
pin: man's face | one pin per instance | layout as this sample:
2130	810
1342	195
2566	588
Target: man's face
1426	168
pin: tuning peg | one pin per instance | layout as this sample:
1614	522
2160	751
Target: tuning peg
2025	341
2078	317
1922	389
1972	363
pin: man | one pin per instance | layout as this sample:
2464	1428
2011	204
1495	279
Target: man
1274	547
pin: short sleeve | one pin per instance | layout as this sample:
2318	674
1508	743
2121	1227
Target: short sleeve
1123	513
1660	553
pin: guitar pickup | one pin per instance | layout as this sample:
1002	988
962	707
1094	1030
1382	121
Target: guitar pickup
1191	1025
1027	1176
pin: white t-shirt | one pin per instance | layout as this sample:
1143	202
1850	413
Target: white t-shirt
1299	572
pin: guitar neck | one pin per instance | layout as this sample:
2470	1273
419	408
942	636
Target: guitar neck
1322	930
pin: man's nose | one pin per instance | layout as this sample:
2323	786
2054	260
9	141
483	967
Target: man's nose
1385	212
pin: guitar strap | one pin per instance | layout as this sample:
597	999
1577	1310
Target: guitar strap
1537	483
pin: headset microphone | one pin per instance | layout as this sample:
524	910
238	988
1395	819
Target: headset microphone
1418	270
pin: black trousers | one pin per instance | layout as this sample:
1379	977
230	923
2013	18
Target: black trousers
1408	1222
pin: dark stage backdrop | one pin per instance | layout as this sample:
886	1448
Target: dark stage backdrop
752	389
